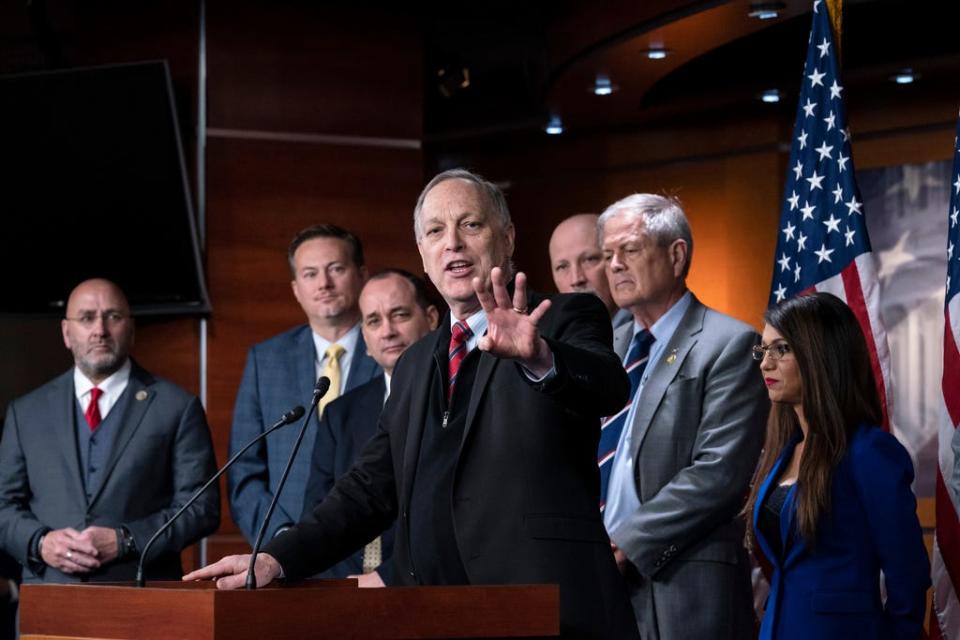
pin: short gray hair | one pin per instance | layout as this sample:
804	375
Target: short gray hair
663	218
493	194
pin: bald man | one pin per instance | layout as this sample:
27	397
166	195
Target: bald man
576	263
96	460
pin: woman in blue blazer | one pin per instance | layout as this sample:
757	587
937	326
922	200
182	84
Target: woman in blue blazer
834	505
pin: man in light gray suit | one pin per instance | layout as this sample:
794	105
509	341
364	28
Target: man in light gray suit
95	461
678	470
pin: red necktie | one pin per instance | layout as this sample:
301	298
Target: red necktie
93	409
459	335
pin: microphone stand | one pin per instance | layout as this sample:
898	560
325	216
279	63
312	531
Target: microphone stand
318	392
291	416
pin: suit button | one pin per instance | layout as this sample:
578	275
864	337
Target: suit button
404	516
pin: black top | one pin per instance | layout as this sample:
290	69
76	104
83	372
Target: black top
436	556
769	520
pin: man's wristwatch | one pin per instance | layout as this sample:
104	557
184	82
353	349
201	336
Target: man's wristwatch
126	545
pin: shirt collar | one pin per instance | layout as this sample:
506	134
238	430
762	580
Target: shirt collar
112	386
348	341
478	326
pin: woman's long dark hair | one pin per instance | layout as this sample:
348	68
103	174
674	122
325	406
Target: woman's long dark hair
838	393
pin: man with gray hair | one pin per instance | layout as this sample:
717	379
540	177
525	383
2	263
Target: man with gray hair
676	461
485	445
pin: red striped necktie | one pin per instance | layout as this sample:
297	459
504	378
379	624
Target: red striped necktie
459	335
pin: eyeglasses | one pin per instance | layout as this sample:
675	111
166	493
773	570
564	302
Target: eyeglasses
88	319
777	350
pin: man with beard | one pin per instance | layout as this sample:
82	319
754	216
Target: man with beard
95	461
326	264
485	448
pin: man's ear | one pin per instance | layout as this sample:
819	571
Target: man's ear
679	256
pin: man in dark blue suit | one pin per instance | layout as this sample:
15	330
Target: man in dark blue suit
396	311
326	263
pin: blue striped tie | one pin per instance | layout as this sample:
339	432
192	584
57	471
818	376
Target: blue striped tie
612	427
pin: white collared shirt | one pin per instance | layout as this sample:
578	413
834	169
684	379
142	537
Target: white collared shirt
112	387
386	383
349	343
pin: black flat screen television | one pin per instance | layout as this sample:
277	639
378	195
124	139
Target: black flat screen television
94	184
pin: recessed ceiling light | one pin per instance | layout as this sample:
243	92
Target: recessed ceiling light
657	53
603	86
766	10
770	96
905	76
555	126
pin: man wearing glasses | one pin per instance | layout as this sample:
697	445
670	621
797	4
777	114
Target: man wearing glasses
93	462
676	462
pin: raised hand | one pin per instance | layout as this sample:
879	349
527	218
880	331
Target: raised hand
512	332
231	571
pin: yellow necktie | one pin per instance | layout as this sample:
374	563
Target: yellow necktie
331	369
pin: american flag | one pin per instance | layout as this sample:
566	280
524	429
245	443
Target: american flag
946	548
822	243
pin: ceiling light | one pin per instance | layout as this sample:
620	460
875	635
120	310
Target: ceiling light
657	53
766	10
770	96
906	76
603	86
555	126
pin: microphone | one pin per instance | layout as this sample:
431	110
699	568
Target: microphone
319	390
290	416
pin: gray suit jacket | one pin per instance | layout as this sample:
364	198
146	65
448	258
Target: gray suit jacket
162	454
696	437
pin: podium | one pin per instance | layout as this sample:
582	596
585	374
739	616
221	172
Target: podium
310	609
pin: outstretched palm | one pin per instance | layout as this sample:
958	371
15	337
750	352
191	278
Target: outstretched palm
512	333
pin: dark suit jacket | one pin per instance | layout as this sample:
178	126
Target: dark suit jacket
347	425
279	375
161	456
526	489
833	592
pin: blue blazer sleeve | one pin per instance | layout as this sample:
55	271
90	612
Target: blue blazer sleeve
883	473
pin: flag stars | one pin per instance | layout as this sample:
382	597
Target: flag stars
788	232
846	134
824	47
781	292
802	139
842	161
953	217
854	206
957	184
801	245
816	78
837	194
949	252
823	254
824	151
798	170
796	273
815	181
832	224
807	211
809	108
848	234
784	262
794	199
830	121
835	90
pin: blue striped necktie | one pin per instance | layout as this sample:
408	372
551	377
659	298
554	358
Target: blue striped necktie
612	427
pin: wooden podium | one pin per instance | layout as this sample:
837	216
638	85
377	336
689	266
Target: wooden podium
311	609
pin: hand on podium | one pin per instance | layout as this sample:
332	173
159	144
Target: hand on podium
231	572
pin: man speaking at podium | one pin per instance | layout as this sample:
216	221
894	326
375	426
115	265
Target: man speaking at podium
95	461
485	449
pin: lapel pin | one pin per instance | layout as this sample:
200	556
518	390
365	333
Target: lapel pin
672	357
141	395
